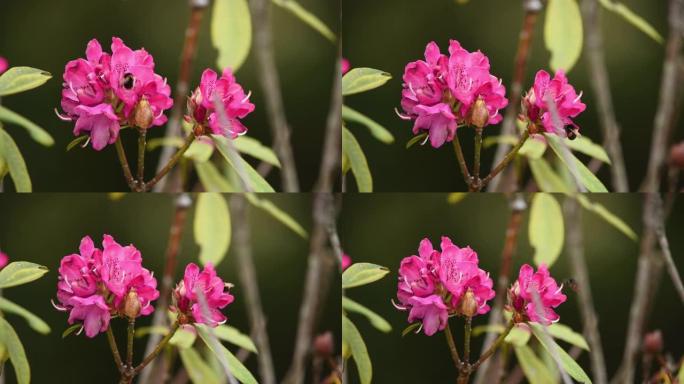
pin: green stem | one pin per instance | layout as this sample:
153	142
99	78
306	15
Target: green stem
142	134
461	160
507	159
115	349
129	348
466	343
478	148
497	343
452	346
124	164
157	349
172	162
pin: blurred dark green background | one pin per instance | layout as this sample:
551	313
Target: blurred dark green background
48	33
388	34
384	228
44	228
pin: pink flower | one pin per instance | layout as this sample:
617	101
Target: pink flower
4	260
3	64
431	311
93	311
346	66
100	122
536	111
534	295
442	92
236	105
188	296
346	261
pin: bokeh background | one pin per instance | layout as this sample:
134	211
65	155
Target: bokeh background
388	34
47	33
384	228
43	228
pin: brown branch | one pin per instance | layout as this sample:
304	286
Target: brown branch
171	163
659	226
121	153
332	147
248	279
452	346
532	9
270	84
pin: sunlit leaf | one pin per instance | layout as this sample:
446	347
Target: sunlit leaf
456	197
546	178
251	146
632	18
608	216
565	333
197	368
584	174
237	369
535	370
157	142
563	33
567	362
20	272
14	161
234	336
15	350
37	133
199	150
363	79
517	335
358	350
183	338
377	130
277	213
253	178
532	149
584	145
231	32
212	227
357	161
307	17
212	180
376	320
546	229
20	79
361	274
33	321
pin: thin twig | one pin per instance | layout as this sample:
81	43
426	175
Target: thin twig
452	346
659	227
124	164
171	163
461	160
467	330
129	342
506	160
478	149
332	147
492	348
142	133
115	349
158	349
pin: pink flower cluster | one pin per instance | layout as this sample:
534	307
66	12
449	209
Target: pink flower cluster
534	296
236	105
535	109
4	260
442	92
3	64
435	285
200	296
96	284
104	91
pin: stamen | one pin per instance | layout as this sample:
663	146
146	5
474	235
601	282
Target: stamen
403	117
397	306
58	307
86	142
426	139
578	97
246	97
62	117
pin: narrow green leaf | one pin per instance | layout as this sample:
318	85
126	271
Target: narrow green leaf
183	338
565	333
77	141
608	216
546	230
212	180
277	213
231	32
586	177
159	142
535	370
307	17
14	162
33	321
632	18
71	329
37	133
358	350
377	130
254	179
357	161
363	79
680	375
361	274
212	227
236	368
254	148
198	370
499	139
376	320
235	337
412	327
20	272
456	197
532	149
415	139
16	352
584	145
199	150
563	33
567	362
20	79
546	178
517	336
152	329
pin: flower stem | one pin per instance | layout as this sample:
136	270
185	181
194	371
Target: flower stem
495	345
452	346
124	165
461	159
172	162
478	148
129	346
466	336
142	134
115	349
507	159
158	349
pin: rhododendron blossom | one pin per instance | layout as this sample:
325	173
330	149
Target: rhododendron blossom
443	92
346	66
434	285
534	295
200	296
3	64
4	260
103	91
346	261
537	112
232	98
96	284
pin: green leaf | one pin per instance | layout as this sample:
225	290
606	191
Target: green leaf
567	362
157	142
152	329
353	338
307	17
363	79
517	336
535	370
254	148
212	180
15	350
410	328
15	162
632	18
277	213
584	145
20	79
73	143
361	274
198	370
254	179
376	320
182	338
456	197
546	178
546	230
608	216
199	151
33	321
212	227
20	272
234	336
680	375
231	32
563	33
357	161
37	133
415	139
377	130
236	368
565	333
585	176
71	330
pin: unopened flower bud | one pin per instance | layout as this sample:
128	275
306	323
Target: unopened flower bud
653	342
131	307
143	116
468	305
479	115
324	345
677	155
